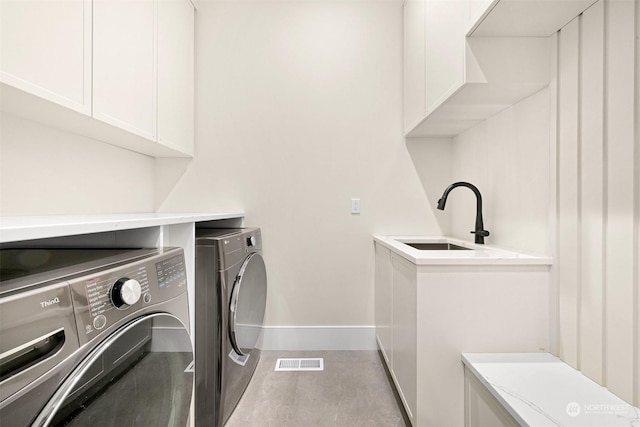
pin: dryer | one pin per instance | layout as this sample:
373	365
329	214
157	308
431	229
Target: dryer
94	337
231	292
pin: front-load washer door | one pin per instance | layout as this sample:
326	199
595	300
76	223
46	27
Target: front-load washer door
248	300
141	375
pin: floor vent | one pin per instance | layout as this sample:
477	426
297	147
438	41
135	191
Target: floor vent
307	364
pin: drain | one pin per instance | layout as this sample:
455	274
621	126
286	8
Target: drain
305	364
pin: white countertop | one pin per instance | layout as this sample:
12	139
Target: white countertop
538	389
16	228
480	255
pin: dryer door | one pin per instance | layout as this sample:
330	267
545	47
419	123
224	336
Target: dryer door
141	375
248	300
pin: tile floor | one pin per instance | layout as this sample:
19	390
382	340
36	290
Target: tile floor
352	391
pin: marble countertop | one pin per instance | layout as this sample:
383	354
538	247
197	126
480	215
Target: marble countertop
16	228
480	255
538	389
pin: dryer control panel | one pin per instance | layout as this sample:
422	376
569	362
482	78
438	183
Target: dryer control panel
105	298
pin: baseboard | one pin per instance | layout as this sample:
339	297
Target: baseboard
318	338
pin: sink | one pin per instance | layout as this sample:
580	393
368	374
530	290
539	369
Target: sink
437	247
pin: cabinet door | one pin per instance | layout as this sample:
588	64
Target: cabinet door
124	65
415	108
404	332
444	50
384	297
481	409
175	74
46	49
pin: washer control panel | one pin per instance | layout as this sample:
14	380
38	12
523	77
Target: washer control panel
104	298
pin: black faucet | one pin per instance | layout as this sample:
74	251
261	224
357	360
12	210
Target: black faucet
480	232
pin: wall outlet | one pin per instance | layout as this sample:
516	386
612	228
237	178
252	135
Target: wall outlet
355	206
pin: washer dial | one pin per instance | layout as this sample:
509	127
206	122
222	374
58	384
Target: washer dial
125	292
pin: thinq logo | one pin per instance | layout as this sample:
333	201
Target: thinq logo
44	304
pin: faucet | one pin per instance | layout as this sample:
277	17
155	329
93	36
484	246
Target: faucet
480	232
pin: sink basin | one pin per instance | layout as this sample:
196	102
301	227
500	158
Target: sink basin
437	247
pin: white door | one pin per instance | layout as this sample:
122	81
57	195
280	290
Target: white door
175	74
124	65
46	50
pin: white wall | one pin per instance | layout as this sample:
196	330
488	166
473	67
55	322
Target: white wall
298	109
598	195
46	171
583	132
507	158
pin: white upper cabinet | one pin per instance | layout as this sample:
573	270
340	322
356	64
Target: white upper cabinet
522	18
454	81
415	108
124	65
176	74
444	47
46	50
119	71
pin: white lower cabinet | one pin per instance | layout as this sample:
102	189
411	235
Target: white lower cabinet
481	408
395	314
440	311
404	332
384	302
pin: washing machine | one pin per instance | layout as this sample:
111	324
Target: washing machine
94	337
231	292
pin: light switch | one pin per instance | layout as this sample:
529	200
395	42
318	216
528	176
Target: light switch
355	206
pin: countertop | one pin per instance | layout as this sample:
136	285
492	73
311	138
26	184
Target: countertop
16	228
538	389
480	255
